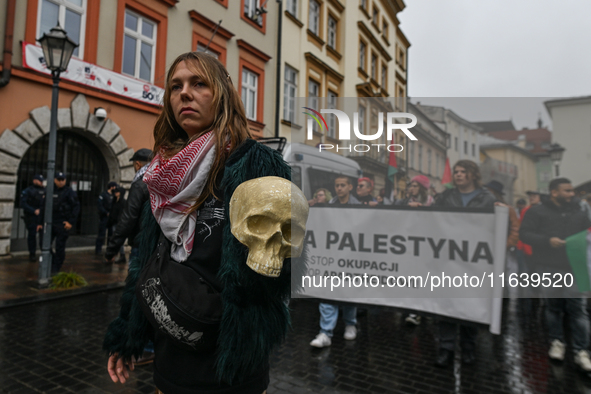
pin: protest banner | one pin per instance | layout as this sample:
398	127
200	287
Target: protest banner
446	263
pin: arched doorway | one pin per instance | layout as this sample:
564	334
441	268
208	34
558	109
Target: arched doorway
87	173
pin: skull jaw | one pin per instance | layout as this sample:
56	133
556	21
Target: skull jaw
266	264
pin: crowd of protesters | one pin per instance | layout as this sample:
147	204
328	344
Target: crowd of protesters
536	235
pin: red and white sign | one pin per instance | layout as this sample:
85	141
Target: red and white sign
95	76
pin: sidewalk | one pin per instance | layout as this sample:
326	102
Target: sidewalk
18	277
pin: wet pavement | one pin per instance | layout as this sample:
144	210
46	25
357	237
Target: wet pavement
55	347
18	276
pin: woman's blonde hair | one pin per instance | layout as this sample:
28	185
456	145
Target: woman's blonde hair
229	126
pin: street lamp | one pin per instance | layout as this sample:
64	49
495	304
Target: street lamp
57	50
556	152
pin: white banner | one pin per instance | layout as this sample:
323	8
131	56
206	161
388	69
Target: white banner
446	263
97	77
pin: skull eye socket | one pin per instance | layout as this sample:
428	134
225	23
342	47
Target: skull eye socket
292	233
259	224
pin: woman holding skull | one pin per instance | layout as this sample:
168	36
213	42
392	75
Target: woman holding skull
218	340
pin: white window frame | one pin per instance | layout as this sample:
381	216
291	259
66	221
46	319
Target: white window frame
331	37
139	39
314	18
250	7
246	87
292	7
331	102
290	92
63	5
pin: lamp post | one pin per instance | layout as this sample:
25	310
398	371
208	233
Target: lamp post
556	152
57	50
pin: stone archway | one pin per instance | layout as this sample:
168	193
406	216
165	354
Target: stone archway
105	135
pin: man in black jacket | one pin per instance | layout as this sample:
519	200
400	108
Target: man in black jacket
467	193
65	214
104	203
32	199
129	223
545	227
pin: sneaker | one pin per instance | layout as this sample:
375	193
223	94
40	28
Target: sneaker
413	319
321	340
556	351
350	333
582	360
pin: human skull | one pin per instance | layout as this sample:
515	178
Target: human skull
269	216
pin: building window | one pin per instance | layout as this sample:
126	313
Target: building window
209	51
385	31
249	93
292	7
332	104
465	147
313	94
411	155
374	66
289	93
429	161
474	150
361	124
421	158
314	17
251	11
332	32
139	44
384	76
364	4
70	14
456	143
436	164
529	145
375	16
362	50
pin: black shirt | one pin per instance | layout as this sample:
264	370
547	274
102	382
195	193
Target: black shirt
179	370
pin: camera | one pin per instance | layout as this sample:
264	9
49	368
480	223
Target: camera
100	113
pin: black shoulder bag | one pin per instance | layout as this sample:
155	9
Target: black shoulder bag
178	301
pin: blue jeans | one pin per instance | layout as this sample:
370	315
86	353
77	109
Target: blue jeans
329	314
578	319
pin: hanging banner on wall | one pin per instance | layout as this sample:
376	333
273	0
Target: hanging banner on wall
96	77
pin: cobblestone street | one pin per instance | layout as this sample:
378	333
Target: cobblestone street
55	347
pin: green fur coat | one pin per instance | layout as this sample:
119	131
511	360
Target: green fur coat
255	316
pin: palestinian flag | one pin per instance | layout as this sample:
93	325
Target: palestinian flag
446	181
578	250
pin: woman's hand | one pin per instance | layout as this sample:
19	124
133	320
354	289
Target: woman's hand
117	368
415	204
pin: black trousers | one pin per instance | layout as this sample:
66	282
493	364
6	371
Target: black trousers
448	333
60	235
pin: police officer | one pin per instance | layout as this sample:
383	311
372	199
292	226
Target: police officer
65	214
104	204
32	202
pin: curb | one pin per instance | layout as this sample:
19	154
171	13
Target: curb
60	294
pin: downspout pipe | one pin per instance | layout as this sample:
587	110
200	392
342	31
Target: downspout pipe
8	36
278	84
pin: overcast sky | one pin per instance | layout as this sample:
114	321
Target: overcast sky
498	48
